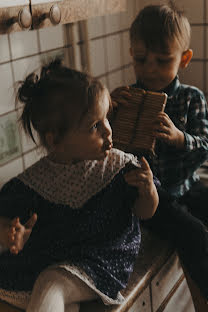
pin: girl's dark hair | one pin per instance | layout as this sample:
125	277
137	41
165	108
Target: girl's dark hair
158	25
57	101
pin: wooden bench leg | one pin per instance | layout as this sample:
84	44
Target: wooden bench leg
200	303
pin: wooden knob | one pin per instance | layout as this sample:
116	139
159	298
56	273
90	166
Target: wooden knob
55	14
24	18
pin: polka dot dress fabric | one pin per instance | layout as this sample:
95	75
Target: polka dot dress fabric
85	225
74	184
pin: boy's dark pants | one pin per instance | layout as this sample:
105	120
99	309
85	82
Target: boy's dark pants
180	221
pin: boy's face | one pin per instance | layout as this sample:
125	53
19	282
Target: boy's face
156	70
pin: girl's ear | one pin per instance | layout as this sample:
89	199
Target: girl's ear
185	58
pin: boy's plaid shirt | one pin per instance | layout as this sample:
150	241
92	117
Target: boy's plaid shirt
176	168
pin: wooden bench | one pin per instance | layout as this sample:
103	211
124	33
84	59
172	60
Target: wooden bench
156	277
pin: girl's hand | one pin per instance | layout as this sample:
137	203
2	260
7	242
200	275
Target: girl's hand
120	96
142	178
147	201
166	131
18	234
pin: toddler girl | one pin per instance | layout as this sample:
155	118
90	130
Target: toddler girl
70	221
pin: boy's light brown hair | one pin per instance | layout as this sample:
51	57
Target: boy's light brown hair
160	25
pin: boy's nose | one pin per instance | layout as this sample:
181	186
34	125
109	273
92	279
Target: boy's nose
150	64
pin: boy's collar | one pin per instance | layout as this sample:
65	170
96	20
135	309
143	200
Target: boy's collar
169	90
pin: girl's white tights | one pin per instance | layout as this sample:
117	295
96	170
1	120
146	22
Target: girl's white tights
57	290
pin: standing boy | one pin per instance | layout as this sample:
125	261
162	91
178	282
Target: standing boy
160	38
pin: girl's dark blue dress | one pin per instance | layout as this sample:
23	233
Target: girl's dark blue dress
85	224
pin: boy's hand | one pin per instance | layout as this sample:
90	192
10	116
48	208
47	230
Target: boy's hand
166	131
120	96
18	234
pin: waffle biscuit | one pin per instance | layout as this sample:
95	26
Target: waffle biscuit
133	124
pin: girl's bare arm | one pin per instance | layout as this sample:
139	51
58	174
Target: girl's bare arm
147	201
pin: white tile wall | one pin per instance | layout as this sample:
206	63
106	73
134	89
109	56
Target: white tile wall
129	76
104	81
4	49
51	38
194	10
113	23
96	27
206	86
6	88
97	56
27	143
189	76
115	80
10	170
25	66
125	48
197	44
31	157
114	51
128	16
23	43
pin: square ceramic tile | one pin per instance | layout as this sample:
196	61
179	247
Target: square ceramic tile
23	43
143	3
113	23
125	49
128	16
32	157
24	67
206	82
137	7
10	147
193	10
193	75
7	99
47	57
104	81
95	26
73	57
13	3
129	76
76	32
77	57
51	37
114	47
27	143
197	42
206	40
97	57
4	49
10	170
115	80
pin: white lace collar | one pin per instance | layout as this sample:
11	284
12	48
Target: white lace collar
75	184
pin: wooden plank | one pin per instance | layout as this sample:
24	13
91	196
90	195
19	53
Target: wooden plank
74	10
9	16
